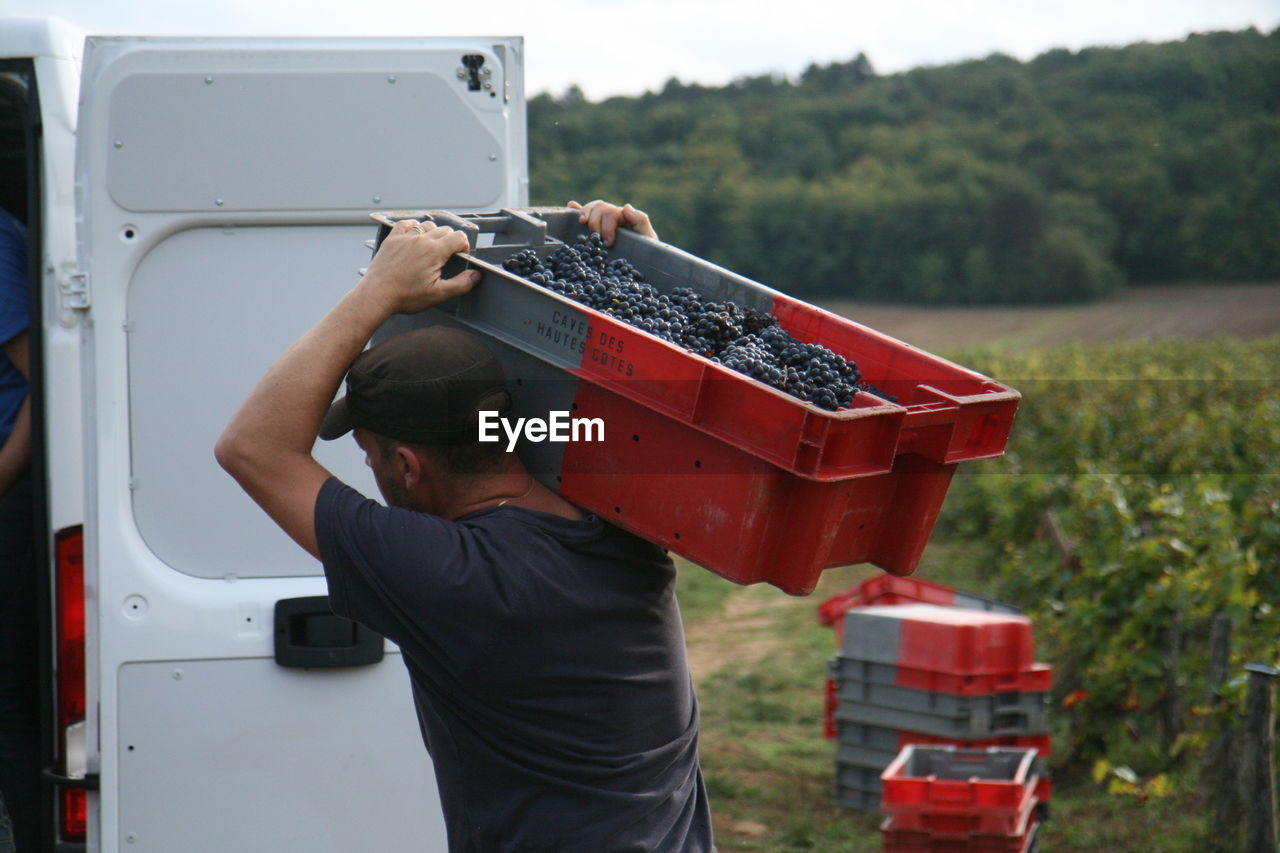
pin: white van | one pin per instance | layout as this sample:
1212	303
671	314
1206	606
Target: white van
193	205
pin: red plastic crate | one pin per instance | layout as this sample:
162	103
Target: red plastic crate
756	523
930	639
961	823
1042	744
892	589
920	841
946	778
737	476
831	701
1037	678
882	589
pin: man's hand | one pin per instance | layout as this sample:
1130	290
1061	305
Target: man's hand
405	273
605	218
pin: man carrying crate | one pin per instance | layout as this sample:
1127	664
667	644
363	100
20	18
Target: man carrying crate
544	646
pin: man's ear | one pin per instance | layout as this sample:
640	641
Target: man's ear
408	466
415	468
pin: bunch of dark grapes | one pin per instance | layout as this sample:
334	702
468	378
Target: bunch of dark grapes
739	338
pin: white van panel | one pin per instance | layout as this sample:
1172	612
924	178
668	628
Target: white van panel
193	772
185	304
209	310
57	79
181	141
29	37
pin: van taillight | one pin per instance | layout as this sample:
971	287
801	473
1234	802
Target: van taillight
69	571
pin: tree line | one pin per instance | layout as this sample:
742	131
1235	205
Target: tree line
987	181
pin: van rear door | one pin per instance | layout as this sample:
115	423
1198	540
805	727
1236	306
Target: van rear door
223	200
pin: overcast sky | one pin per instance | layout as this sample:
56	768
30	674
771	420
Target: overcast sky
628	46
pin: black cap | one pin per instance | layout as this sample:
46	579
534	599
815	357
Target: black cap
423	387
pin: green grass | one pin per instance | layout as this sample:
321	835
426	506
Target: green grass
701	594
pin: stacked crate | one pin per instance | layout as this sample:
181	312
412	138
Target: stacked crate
942	799
891	589
924	674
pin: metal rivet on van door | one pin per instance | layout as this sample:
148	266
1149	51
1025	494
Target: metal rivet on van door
218	202
135	607
177	675
492	157
208	80
119	143
391	78
131	837
377	199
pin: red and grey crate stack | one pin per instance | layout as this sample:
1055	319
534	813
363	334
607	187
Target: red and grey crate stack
921	664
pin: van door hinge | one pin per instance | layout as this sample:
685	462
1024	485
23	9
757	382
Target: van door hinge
75	291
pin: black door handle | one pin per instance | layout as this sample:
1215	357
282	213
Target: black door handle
308	634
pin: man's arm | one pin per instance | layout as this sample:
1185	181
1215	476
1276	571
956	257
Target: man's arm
15	453
267	445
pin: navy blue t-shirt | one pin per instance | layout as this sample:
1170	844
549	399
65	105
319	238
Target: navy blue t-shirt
13	316
548	667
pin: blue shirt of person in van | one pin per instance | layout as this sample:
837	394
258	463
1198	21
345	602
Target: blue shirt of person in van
13	316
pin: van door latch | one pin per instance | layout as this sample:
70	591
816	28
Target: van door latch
75	291
473	72
87	782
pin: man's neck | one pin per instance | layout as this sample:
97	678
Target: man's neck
515	488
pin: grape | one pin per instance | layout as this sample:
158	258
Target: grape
741	339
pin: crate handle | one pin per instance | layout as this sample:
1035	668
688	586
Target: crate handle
455	264
457	223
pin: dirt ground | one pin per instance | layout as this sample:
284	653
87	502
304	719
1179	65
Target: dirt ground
1190	311
742	634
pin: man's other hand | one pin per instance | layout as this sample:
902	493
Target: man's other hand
406	270
605	218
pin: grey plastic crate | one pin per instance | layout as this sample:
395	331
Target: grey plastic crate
875	634
1036	679
842	666
958	764
857	798
969	601
858	775
848	754
982	723
874	757
987	705
502	308
888	741
857	786
879	738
